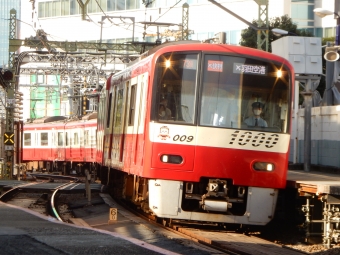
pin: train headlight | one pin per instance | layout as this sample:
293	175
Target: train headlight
172	159
263	166
279	73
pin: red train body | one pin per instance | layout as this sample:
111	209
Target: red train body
173	135
56	144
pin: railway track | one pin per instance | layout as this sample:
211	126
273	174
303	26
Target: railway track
48	196
224	238
43	196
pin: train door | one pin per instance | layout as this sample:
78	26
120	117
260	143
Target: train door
108	127
36	144
129	133
81	144
100	126
67	145
90	143
136	120
27	151
173	128
124	123
118	136
60	145
76	148
54	146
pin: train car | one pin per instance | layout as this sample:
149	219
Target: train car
58	144
198	132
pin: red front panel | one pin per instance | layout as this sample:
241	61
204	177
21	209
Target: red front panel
219	163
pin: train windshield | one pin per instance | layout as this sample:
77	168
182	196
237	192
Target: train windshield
244	93
233	92
176	86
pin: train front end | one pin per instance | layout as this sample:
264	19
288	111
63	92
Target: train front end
219	132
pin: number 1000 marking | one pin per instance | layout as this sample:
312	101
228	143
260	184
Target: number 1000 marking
183	138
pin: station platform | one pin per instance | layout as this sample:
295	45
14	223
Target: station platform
315	182
25	232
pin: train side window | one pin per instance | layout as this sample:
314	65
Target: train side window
108	120
86	138
27	139
44	139
119	111
75	139
66	139
60	139
132	105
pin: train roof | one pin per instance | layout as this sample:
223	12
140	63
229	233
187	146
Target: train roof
210	47
49	119
90	116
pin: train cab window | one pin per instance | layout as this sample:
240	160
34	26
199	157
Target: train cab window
175	86
44	139
60	139
232	86
27	139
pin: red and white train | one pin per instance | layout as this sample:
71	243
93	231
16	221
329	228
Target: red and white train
172	134
57	144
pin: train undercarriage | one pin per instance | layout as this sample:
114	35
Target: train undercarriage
61	167
209	200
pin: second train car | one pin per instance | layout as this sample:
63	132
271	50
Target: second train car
173	137
60	145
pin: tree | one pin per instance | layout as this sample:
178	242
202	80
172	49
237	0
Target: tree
249	35
249	39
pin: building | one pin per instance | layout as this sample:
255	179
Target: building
62	20
108	21
6	6
120	21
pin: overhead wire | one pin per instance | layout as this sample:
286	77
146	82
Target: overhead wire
121	18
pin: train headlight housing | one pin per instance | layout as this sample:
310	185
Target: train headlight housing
263	166
172	159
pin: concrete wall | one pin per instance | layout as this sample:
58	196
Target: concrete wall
325	137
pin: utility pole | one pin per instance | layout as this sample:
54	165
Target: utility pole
185	21
10	104
262	20
259	30
83	7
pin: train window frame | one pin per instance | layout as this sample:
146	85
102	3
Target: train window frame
191	118
119	107
75	138
86	137
239	123
108	119
60	139
132	105
44	139
27	140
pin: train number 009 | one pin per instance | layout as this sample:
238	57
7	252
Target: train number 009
183	138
